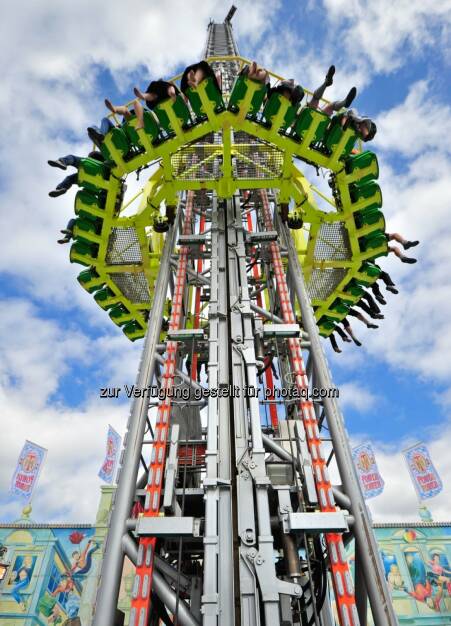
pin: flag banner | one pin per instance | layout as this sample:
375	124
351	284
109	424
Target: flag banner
28	469
424	476
113	447
365	463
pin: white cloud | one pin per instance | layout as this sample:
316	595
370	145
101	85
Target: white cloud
386	33
354	396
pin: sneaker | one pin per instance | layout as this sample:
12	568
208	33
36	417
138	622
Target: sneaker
57	163
391	288
410	244
65	231
380	299
57	192
350	97
378	316
330	75
65	240
406	259
357	342
95	136
372	326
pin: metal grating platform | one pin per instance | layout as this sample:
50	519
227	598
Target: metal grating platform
332	243
123	247
133	286
197	162
323	282
259	161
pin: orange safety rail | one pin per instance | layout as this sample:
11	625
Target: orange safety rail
269	379
141	592
341	576
198	291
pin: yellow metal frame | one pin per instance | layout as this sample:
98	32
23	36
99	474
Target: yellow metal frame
164	186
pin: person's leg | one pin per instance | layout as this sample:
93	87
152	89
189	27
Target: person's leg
377	293
348	329
342	334
64	185
406	244
399	254
386	278
319	92
106	125
369	298
333	341
64	161
139	112
118	110
339	104
363	305
362	318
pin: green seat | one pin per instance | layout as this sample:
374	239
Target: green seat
354	289
367	217
368	273
338	306
213	94
365	161
333	137
91	225
369	192
239	92
90	280
272	107
326	326
133	330
181	112
83	252
86	202
119	314
103	298
306	119
373	240
97	170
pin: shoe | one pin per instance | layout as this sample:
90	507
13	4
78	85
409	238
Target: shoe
380	299
350	97
57	192
357	342
372	326
347	340
378	316
57	163
65	240
410	244
95	136
65	231
330	76
406	259
337	350
391	288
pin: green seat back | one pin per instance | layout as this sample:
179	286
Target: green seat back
366	160
83	249
333	136
369	216
304	121
181	111
272	107
239	91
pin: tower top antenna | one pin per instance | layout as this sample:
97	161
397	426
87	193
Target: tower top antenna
230	14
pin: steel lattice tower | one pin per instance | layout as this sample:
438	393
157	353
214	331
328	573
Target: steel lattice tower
239	522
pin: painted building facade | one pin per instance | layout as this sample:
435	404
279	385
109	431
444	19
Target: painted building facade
49	572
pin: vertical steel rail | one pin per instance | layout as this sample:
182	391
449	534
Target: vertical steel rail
341	576
111	573
142	587
365	541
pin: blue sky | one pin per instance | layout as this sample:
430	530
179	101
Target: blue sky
57	347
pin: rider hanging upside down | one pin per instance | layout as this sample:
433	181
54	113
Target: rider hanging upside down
405	244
